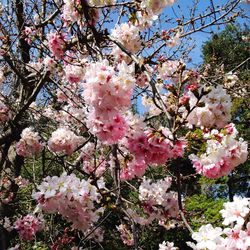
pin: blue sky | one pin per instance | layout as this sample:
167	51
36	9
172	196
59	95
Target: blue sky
182	7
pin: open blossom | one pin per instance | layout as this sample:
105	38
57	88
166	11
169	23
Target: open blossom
216	110
142	80
72	198
56	44
230	79
156	201
167	246
174	41
16	247
128	35
235	237
223	153
64	141
208	237
151	108
72	12
96	234
28	226
49	63
29	144
236	211
98	170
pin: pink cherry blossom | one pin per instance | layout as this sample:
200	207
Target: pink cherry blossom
236	211
167	246
29	144
56	44
5	113
128	35
64	141
28	226
216	110
72	198
156	201
223	153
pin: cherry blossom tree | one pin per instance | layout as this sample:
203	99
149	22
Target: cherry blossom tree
100	111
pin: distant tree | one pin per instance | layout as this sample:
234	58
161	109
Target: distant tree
228	53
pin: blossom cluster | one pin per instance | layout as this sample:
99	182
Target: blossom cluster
128	35
28	226
71	197
5	113
108	90
64	140
29	144
167	246
169	70
56	43
5	186
230	79
73	11
215	111
236	211
223	153
150	9
7	224
157	203
149	147
28	33
236	237
155	6
131	168
21	182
